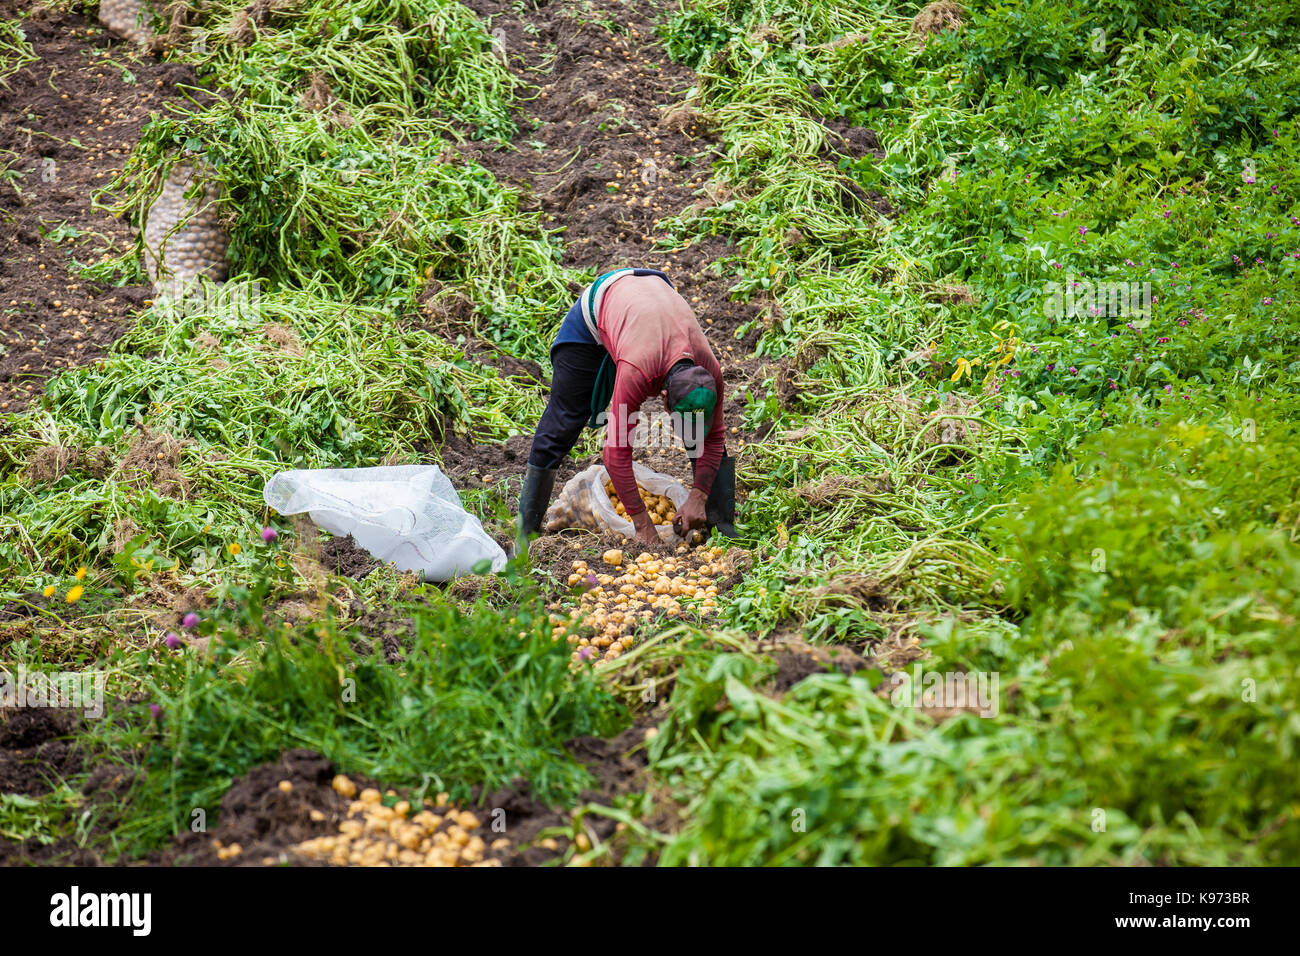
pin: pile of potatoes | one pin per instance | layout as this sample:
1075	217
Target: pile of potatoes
661	507
401	835
625	594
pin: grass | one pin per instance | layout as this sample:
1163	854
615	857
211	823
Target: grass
40	820
1084	515
478	699
320	389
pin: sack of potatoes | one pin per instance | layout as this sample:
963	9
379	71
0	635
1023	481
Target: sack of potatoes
184	237
589	501
130	19
661	507
571	510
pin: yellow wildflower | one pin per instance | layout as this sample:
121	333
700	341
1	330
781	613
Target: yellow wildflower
81	574
75	594
234	548
49	591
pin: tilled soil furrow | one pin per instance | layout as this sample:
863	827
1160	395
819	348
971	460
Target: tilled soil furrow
68	122
609	146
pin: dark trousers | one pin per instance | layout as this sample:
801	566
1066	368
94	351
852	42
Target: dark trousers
568	410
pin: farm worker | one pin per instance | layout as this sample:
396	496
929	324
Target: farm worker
628	337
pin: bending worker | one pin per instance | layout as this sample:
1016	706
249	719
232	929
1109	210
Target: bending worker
628	337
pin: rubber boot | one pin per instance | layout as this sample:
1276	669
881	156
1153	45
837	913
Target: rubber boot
533	501
720	508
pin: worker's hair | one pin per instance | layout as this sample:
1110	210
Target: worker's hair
678	366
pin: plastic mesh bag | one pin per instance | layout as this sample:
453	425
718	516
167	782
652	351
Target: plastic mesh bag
407	514
132	19
582	502
184	238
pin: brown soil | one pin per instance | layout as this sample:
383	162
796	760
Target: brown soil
529	372
854	142
380	627
796	659
470	466
264	820
68	121
619	149
268	821
33	754
345	557
36	755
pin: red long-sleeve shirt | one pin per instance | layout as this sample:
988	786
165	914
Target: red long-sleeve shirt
647	328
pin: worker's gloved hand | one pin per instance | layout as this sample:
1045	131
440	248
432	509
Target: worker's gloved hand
690	516
645	529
